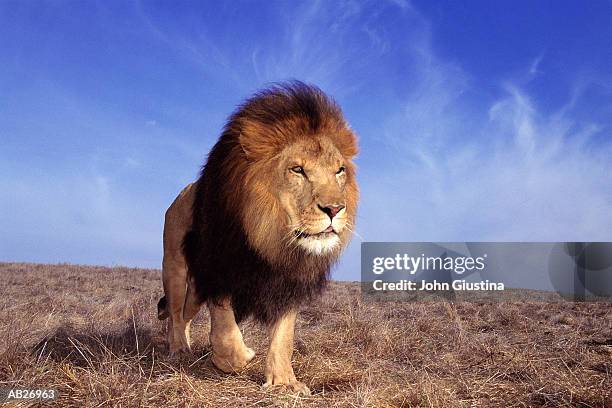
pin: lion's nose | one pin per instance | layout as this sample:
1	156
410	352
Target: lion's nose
331	210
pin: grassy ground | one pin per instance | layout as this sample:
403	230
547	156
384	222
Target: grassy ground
92	334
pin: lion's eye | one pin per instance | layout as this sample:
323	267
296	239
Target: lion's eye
298	170
340	170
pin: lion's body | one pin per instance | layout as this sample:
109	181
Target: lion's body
230	238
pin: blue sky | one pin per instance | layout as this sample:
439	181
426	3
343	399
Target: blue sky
477	120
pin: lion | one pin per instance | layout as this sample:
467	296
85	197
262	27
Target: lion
257	234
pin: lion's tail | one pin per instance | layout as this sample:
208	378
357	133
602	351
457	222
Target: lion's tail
162	309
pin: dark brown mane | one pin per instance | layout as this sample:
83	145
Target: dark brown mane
220	256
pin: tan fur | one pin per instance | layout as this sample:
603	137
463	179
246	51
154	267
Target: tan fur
278	370
229	351
180	307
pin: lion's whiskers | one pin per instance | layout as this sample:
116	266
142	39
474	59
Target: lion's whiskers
348	226
291	235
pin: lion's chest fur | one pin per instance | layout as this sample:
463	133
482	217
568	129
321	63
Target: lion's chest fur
223	264
226	267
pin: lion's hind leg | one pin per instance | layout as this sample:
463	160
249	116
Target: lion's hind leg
175	280
190	309
174	271
179	338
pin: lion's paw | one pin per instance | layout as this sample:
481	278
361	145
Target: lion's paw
178	345
178	352
234	361
293	385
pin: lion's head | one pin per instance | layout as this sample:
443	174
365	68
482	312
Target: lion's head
294	186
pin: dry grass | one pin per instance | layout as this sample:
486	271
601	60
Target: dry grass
91	333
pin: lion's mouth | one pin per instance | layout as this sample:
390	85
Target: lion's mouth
327	232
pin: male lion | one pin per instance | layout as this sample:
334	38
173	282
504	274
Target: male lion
257	233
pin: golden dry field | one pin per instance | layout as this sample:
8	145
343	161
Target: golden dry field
92	334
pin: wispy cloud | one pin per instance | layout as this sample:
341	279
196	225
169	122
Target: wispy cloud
535	65
507	172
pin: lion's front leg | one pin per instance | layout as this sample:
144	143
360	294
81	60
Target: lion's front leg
278	369
229	351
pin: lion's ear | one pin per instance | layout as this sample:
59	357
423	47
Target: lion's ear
346	142
256	146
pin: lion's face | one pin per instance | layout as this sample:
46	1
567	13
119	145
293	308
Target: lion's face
312	179
304	196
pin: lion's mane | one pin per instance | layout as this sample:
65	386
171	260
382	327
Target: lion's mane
234	247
